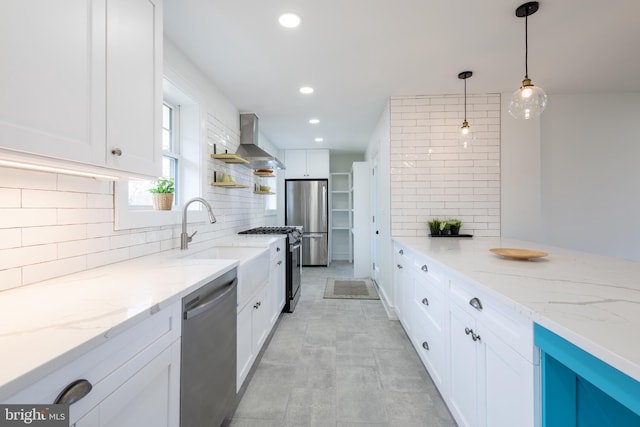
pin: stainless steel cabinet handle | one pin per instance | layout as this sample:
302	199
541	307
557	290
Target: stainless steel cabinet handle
401	252
425	301
475	303
116	152
425	345
399	266
474	336
424	268
74	392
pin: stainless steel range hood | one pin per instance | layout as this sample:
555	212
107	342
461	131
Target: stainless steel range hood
249	149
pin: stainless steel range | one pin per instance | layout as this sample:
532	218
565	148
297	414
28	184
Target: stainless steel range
294	260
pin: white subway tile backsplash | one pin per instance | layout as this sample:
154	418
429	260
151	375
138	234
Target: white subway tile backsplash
17	257
48	270
438	177
53	234
52	225
10	238
12	218
10	278
9	198
53	199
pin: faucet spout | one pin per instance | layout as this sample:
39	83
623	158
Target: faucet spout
184	236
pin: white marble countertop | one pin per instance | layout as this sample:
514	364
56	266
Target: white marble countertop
591	300
46	325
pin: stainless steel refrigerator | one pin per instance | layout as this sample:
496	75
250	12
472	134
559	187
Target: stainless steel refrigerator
307	204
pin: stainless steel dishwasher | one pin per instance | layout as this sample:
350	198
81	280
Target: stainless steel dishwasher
208	366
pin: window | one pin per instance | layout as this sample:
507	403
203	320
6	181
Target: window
139	196
182	159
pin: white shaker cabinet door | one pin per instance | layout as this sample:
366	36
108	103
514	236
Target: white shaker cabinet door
463	369
52	78
318	163
134	85
149	398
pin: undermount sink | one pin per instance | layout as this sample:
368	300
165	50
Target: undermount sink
253	270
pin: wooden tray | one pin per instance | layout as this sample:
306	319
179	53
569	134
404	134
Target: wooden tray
518	253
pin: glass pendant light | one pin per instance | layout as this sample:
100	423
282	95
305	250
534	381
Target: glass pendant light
466	136
529	101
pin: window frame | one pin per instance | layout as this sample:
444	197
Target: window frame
189	183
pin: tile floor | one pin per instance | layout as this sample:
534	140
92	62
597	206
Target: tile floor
339	363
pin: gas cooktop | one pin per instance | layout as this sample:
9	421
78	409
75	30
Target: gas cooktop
270	230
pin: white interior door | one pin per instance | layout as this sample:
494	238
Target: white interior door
375	246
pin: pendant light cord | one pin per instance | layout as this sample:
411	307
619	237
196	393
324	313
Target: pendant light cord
526	47
465	99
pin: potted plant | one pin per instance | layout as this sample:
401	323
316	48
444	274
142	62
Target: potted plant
434	226
444	227
454	226
162	194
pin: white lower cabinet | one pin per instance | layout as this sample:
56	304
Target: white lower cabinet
135	377
258	316
478	351
142	398
403	286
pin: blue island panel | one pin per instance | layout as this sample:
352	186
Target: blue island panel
579	389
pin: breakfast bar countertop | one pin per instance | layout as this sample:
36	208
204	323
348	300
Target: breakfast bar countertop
591	300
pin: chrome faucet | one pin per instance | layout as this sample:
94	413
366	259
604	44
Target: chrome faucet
184	236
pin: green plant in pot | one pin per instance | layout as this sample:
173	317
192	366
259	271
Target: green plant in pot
454	226
444	227
434	226
162	194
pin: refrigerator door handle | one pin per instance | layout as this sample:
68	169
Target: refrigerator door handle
314	235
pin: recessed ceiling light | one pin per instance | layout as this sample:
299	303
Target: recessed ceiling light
306	90
314	121
319	139
289	20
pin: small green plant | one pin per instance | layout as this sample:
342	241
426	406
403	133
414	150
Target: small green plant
163	185
434	226
444	226
454	223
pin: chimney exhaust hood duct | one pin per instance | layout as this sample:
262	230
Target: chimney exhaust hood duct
249	149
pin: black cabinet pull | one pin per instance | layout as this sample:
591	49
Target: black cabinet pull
74	392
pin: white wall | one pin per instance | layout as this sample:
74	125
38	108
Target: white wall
591	173
521	183
52	225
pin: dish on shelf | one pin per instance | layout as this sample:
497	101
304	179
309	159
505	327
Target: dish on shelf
269	171
518	253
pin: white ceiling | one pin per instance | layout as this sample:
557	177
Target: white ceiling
357	53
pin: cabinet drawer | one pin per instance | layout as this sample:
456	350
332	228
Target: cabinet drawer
490	314
160	330
430	302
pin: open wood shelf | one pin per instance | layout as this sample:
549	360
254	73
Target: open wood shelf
229	185
230	158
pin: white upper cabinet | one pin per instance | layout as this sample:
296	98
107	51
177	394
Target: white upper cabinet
307	164
82	79
134	85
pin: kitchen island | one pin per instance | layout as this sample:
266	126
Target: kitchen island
590	302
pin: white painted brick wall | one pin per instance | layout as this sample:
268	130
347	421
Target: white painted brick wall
52	225
432	175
